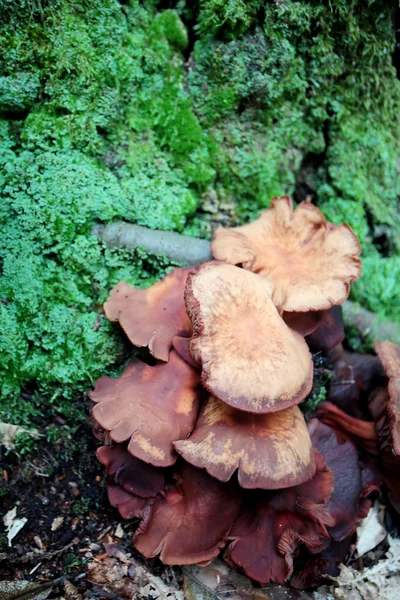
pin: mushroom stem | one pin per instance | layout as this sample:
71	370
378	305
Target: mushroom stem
193	251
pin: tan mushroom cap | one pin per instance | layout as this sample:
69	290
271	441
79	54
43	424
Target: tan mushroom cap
389	355
310	261
151	317
149	406
270	451
250	359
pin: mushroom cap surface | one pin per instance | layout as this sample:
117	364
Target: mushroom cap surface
150	406
342	460
128	505
389	355
310	261
270	451
132	474
250	359
329	332
151	317
191	522
272	525
304	323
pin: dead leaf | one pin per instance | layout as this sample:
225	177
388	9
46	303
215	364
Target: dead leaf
114	551
379	582
370	533
119	532
154	587
12	524
218	582
112	575
71	592
24	590
9	432
57	522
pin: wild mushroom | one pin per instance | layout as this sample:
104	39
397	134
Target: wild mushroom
309	261
191	522
150	406
390	461
389	355
273	525
362	433
304	322
132	474
329	331
128	505
151	317
250	359
181	345
270	451
354	483
355	375
133	484
346	502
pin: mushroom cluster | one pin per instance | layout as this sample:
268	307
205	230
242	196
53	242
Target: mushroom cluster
205	444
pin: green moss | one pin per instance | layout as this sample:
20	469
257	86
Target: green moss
110	113
378	288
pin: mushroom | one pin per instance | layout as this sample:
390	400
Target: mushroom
329	332
181	345
349	503
132	474
315	570
389	355
361	433
151	317
378	405
304	323
250	359
128	505
191	522
354	377
133	484
150	406
273	525
309	261
270	451
345	503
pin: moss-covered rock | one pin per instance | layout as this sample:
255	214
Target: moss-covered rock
163	116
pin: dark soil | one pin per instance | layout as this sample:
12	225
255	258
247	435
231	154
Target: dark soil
60	490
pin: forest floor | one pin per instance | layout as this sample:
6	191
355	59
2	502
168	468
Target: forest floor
73	545
71	533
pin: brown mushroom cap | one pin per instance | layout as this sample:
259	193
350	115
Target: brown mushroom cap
129	506
361	433
250	359
270	451
304	323
191	522
272	525
149	406
342	460
329	332
181	345
355	376
389	355
310	261
151	317
132	474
